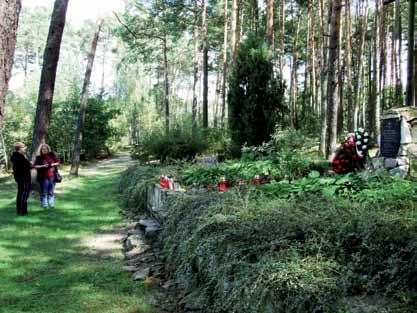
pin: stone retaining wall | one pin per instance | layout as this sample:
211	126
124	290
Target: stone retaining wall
159	200
396	166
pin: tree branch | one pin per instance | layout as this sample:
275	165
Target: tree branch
137	35
125	26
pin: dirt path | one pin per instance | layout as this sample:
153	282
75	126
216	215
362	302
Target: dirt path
108	243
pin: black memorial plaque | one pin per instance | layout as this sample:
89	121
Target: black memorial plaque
390	137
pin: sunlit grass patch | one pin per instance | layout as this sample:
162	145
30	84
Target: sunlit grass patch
45	265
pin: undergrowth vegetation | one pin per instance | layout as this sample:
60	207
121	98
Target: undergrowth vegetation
306	245
178	144
255	254
285	156
301	241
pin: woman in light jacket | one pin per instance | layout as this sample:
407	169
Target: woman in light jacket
45	164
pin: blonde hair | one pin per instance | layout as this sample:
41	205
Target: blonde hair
18	145
44	145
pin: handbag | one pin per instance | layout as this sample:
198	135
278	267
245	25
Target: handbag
57	176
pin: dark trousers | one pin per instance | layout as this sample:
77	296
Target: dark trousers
23	192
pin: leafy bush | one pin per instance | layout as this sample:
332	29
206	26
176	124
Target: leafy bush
232	171
370	189
275	160
17	125
255	96
177	144
97	132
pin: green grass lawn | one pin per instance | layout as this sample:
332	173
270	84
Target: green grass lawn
45	263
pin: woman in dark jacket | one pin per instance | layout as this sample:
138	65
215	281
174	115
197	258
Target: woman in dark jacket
45	164
21	173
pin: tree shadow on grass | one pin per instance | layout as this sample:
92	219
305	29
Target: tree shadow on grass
46	265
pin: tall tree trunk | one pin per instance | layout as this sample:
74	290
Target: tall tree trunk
9	20
235	28
371	87
255	12
376	112
383	56
103	65
307	69
293	91
323	74
415	70
340	84
4	150
195	71
216	98
48	75
205	64
26	65
166	83
398	87
410	64
313	76
360	71
270	35
348	67
76	152
282	40
223	114
393	66
332	81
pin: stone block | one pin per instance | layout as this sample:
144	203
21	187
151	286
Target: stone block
401	171
390	163
146	223
378	163
130	268
141	274
412	150
152	232
137	251
134	232
402	161
380	170
128	245
403	150
136	240
142	258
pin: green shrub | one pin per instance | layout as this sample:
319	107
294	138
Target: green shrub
255	97
17	126
177	144
254	254
98	130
